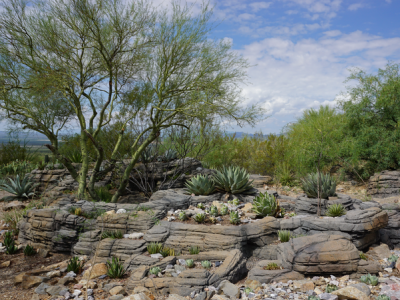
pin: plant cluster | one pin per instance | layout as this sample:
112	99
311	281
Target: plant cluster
234	217
336	210
369	279
331	288
75	265
9	243
248	290
194	250
112	234
224	210
201	206
319	181
182	216
155	271
29	251
233	180
103	194
190	263
266	205
200	185
115	268
272	266
383	297
200	217
166	251
214	211
284	235
206	264
20	188
154	248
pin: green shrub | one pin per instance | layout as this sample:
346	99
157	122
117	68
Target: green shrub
331	288
233	180
29	251
200	185
214	211
115	268
166	251
272	266
112	234
206	264
369	279
200	217
363	256
154	248
336	210
75	156
224	210
74	265
182	216
104	194
266	205
14	152
20	188
284	235
327	185
9	243
234	217
154	271
190	263
283	174
194	250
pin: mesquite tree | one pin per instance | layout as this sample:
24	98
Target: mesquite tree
96	62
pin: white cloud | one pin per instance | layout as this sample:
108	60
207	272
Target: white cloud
356	6
257	6
332	33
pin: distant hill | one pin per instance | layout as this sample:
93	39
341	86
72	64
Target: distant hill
240	135
31	138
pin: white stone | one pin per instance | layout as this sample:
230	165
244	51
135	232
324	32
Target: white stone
121	211
157	255
170	219
134	236
70	274
76	293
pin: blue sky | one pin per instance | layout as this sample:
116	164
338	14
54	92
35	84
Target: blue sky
302	50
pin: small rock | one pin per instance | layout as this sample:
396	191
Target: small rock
5	264
78	286
217	264
179	268
303	285
350	293
35	297
327	296
117	290
53	274
170	219
134	236
110	212
229	289
42	252
76	293
157	255
362	287
55	290
41	289
32	281
102	276
65	280
116	297
182	262
380	252
96	271
121	211
70	274
389	270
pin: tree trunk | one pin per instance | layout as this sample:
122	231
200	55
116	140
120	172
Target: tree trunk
85	165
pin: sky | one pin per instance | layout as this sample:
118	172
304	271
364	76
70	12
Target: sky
301	51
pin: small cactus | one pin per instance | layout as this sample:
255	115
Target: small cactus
214	211
234	218
182	216
224	210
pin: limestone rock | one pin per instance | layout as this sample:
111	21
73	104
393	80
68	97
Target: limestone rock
41	289
303	285
42	252
32	281
175	297
229	289
362	287
117	290
380	252
350	293
55	290
96	271
140	296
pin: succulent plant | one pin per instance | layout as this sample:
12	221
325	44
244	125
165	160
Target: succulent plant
382	297
331	288
234	218
112	234
313	298
20	188
206	264
200	218
233	180
200	185
182	216
75	265
148	155
224	210
336	210
327	184
154	248
155	271
78	211
235	202
369	279
9	243
214	211
29	251
170	154
284	235
213	220
363	256
115	268
393	258
190	263
266	205
201	206
194	250
247	290
272	266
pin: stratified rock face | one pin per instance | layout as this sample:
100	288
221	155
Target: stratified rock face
318	254
266	276
304	205
390	235
384	184
361	226
181	236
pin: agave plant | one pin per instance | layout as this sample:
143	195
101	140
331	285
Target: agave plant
115	268
233	180
266	205
182	216
214	211
369	279
327	185
200	218
21	189
336	210
234	218
170	154
200	185
148	155
75	265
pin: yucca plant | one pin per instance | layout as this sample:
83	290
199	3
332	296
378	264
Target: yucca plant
115	268
336	210
234	218
194	250
233	180
266	205
75	265
190	263
200	185
327	185
29	251
206	264
284	235
182	216
155	271
224	210
20	188
200	218
154	248
9	243
214	211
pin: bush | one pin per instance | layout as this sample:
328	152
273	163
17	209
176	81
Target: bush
233	180
206	264
154	248
200	218
115	268
336	210
194	250
234	217
74	265
266	205
200	185
13	151
29	251
284	235
327	185
9	243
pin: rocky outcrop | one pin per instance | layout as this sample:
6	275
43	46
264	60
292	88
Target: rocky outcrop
360	226
384	184
304	205
262	275
390	235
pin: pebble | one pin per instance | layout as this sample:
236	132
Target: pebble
70	274
121	211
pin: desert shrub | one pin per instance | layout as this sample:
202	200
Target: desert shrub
326	182
284	235
75	265
115	268
336	210
200	185
194	250
155	271
12	218
266	205
14	151
154	248
206	264
284	175
200	218
233	180
272	266
29	251
234	217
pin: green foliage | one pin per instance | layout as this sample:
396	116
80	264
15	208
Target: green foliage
154	271
283	174
104	194
20	188
200	185
75	265
272	266
29	251
324	182
336	210
331	288
313	298
201	206
115	268
266	205
166	251
75	156
214	211
369	279
154	248
234	217
14	153
190	263
382	297
182	216
224	210
200	218
393	258
170	154
206	264
9	243
235	202
284	235
233	180
248	290
194	250
112	234
363	256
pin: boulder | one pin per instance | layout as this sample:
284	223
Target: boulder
380	252
29	281
96	271
350	293
229	289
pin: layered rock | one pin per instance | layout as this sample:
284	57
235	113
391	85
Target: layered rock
390	235
262	275
384	184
